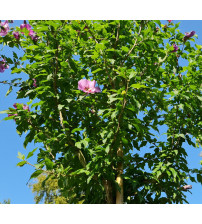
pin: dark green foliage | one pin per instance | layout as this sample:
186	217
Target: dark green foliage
143	87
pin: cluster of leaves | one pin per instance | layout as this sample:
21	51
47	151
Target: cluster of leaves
47	192
143	87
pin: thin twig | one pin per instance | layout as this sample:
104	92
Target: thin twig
132	47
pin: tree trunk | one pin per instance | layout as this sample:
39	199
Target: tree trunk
109	193
119	178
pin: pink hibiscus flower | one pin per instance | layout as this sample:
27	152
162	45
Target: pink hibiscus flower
32	34
16	35
3	66
34	83
189	35
26	26
175	48
88	86
187	187
4	28
25	107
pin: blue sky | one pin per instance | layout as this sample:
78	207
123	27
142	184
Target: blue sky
13	179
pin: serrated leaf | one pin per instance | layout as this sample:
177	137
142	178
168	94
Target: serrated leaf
21	156
132	74
60	107
69	100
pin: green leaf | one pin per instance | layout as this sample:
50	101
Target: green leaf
36	174
4	111
143	143
69	100
138	86
89	178
38	166
9	90
30	154
29	138
32	47
21	156
78	145
60	107
132	74
192	179
107	149
125	49
100	46
37	104
179	135
158	173
9	118
76	129
124	140
49	164
173	171
97	70
85	142
22	163
112	98
199	178
111	61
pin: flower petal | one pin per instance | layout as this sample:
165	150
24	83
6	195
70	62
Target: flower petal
25	107
83	84
97	89
4	27
92	84
15	105
192	33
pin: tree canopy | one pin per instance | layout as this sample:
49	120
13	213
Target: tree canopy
104	90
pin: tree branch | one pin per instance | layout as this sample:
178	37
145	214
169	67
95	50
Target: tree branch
130	51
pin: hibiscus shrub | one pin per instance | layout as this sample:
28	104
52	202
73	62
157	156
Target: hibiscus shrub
103	142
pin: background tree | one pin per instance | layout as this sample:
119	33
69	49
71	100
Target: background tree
101	143
6	202
47	192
